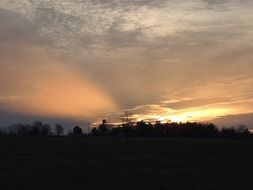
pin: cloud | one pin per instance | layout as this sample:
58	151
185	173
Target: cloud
50	89
76	25
177	105
138	52
34	81
234	120
55	92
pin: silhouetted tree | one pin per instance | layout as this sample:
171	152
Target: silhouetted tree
45	130
228	132
127	123
103	128
94	131
77	130
58	129
2	132
36	129
243	131
235	132
141	128
117	131
40	129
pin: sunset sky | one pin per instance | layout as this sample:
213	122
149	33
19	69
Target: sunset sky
84	60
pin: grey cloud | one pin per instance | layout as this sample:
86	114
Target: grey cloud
16	29
116	38
63	30
221	5
234	120
72	32
18	38
133	3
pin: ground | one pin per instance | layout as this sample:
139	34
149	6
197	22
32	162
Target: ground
66	163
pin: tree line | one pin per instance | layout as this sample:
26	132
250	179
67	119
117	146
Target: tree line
37	128
129	128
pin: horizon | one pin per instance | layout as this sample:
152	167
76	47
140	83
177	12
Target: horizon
73	62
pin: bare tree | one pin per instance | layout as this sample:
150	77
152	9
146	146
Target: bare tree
126	118
127	123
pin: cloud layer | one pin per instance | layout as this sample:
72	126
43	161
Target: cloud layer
182	57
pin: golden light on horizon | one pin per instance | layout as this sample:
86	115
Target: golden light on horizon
198	115
177	119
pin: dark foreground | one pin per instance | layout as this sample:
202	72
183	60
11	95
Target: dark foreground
112	163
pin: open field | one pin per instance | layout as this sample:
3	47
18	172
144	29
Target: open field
112	163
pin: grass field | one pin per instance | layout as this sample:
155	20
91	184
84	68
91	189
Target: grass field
67	163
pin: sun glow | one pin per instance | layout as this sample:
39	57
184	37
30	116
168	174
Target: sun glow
177	119
200	114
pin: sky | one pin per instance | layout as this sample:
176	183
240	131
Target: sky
83	60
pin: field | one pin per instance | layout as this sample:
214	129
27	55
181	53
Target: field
66	163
